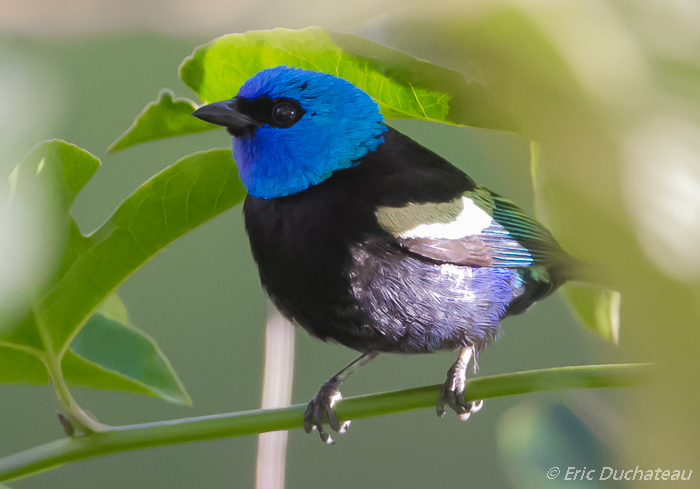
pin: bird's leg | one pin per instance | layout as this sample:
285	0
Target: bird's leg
452	391
326	398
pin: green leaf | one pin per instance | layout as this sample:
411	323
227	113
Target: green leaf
217	70
111	354
108	352
596	307
404	87
173	202
18	366
113	308
163	118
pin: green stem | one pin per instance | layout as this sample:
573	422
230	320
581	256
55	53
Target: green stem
135	437
79	419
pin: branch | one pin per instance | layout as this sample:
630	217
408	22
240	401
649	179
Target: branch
136	437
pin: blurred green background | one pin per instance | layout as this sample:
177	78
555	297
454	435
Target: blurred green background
85	80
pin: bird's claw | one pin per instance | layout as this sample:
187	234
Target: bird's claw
320	409
452	393
455	400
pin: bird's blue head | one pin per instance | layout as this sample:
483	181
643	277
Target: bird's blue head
292	128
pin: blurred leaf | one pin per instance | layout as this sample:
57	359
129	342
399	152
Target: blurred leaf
58	171
163	118
538	444
108	352
471	102
596	307
62	168
678	76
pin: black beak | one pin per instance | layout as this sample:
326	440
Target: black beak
226	114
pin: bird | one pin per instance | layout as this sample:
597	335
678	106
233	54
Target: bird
366	238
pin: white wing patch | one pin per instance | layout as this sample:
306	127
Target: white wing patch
448	220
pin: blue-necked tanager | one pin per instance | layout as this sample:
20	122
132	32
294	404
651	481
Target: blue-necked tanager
364	237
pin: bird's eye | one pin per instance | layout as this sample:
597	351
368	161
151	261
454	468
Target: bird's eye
284	114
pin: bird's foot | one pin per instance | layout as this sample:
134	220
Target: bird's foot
455	399
322	407
452	391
